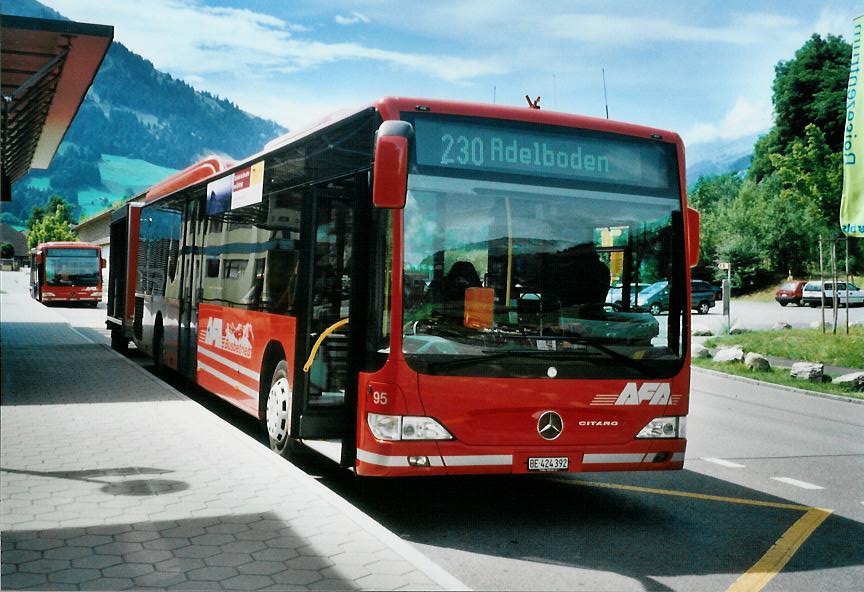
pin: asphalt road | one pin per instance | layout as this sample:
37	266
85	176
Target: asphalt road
758	459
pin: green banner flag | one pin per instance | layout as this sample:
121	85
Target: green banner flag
852	202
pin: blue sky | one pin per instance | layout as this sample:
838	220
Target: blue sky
701	68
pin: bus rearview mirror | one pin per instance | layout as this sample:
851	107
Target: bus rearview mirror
390	172
692	237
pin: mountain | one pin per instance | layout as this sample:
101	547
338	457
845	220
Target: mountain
135	126
719	157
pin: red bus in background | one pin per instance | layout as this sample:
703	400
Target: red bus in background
66	272
418	288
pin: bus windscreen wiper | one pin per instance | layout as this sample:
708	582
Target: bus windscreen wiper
556	355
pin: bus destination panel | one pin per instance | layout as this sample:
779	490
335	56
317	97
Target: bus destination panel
506	148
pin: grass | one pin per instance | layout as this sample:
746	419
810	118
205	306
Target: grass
809	345
778	376
764	295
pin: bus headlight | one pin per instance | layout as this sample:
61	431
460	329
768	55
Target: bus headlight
664	427
423	428
398	427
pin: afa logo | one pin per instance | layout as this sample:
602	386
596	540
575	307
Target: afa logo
236	338
654	393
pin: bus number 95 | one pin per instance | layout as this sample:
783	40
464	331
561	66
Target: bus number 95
379	398
461	150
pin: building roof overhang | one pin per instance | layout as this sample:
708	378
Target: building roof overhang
47	67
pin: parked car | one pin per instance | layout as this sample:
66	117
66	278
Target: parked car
790	293
718	291
655	298
614	295
813	291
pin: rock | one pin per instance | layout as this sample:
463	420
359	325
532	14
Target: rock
807	371
781	325
729	354
698	350
757	362
701	331
854	380
737	330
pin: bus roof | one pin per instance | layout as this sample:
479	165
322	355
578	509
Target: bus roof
203	169
65	245
391	108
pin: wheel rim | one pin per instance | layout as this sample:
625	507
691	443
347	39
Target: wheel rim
279	410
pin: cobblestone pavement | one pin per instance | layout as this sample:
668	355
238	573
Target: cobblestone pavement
111	479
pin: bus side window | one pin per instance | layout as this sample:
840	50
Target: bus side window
280	281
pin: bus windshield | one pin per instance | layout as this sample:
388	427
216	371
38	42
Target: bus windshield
504	276
72	267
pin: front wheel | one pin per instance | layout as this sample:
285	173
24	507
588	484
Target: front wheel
158	350
119	342
277	414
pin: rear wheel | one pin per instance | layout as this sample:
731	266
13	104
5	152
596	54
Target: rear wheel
277	414
783	302
654	309
703	308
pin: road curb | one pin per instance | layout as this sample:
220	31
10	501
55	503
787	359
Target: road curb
781	387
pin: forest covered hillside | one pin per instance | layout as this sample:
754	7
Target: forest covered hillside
136	126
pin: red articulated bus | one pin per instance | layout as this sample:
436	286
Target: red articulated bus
63	271
418	288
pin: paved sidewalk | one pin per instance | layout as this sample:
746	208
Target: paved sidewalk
111	479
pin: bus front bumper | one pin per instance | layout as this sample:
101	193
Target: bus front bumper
402	459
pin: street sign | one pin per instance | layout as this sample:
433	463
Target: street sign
723	265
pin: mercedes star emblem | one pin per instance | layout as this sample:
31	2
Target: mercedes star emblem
550	425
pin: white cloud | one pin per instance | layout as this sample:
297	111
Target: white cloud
610	29
745	118
189	39
833	22
356	17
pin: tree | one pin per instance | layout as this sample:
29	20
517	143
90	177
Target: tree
51	227
7	250
808	89
711	195
55	203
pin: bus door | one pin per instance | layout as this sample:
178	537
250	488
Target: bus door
192	255
324	381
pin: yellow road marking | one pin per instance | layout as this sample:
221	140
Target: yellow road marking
776	558
780	553
701	496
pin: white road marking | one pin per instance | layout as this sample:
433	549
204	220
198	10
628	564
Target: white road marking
724	463
797	483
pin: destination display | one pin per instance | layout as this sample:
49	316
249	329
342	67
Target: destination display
504	147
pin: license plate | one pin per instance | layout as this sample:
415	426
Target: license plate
549	463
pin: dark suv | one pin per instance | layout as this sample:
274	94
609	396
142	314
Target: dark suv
655	298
